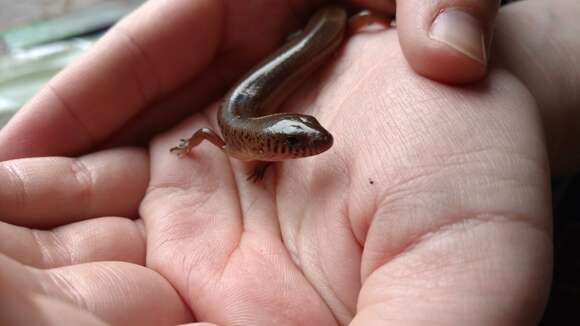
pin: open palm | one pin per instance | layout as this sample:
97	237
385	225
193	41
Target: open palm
415	200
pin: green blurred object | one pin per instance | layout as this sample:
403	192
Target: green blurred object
36	52
23	73
82	22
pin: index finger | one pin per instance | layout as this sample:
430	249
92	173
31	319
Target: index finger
149	53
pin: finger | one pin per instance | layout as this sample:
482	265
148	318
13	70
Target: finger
145	56
44	192
103	239
199	93
547	62
447	40
118	293
34	309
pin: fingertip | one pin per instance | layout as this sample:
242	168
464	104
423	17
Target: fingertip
447	40
443	64
50	191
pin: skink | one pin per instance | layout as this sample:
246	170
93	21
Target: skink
249	130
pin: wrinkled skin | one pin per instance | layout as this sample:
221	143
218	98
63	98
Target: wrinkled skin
432	207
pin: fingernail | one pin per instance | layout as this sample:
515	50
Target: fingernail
461	31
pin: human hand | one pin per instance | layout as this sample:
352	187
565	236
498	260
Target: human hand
539	43
417	215
172	58
48	261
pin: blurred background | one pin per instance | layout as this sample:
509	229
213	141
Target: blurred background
39	37
19	12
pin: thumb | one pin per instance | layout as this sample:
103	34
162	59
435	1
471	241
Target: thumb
447	40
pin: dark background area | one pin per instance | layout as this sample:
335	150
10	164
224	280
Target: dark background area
563	306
